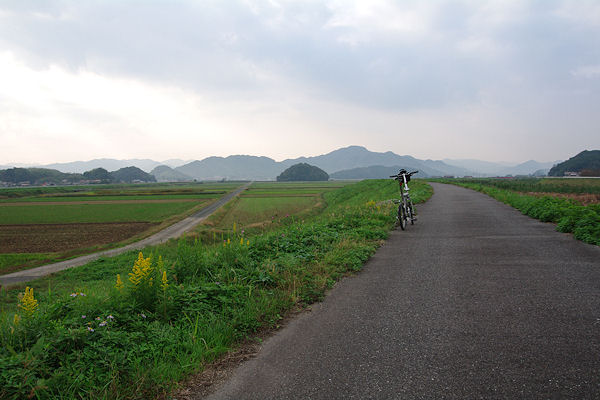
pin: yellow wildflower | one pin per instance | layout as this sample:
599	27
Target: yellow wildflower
16	320
119	285
28	303
164	281
234	228
228	241
141	270
247	243
241	241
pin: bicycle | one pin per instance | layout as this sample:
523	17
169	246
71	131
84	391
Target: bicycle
406	209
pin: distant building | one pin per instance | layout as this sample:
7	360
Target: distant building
571	173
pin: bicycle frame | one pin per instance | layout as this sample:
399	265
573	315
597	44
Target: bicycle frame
405	206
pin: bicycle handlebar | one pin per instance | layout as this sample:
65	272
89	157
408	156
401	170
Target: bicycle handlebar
398	175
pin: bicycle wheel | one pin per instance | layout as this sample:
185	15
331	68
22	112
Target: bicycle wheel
401	218
411	212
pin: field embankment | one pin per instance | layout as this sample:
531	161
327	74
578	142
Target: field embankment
569	203
110	330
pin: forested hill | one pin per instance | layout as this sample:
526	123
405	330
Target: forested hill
586	163
46	176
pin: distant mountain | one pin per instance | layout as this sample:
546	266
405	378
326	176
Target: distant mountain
37	176
98	175
358	156
45	176
587	160
303	172
109	164
245	167
373	172
486	168
238	167
530	167
131	175
175	162
163	173
478	167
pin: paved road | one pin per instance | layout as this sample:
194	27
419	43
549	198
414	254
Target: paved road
173	231
475	301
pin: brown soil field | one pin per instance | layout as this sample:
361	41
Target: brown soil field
47	238
583	198
67	203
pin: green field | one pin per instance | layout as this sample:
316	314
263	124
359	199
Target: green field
268	205
94	197
137	339
249	210
150	189
80	213
61	222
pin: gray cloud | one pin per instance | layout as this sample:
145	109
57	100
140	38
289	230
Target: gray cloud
538	56
229	46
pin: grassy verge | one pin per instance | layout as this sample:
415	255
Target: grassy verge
113	331
570	217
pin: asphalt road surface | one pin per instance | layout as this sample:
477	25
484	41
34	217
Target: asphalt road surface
475	301
171	232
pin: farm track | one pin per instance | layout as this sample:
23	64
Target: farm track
475	301
173	231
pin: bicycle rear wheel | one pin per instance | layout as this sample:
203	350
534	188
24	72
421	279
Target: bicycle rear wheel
401	218
411	212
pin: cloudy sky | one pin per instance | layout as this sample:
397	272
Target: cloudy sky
493	80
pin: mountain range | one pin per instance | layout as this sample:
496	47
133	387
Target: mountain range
353	162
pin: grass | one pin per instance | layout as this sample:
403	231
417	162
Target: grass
84	213
8	260
251	210
138	341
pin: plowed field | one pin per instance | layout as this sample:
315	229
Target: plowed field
46	238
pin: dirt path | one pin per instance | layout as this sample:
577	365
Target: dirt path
173	231
475	301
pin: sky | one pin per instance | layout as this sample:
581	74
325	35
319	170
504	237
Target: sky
491	80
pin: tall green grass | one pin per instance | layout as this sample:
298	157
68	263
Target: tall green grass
138	341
